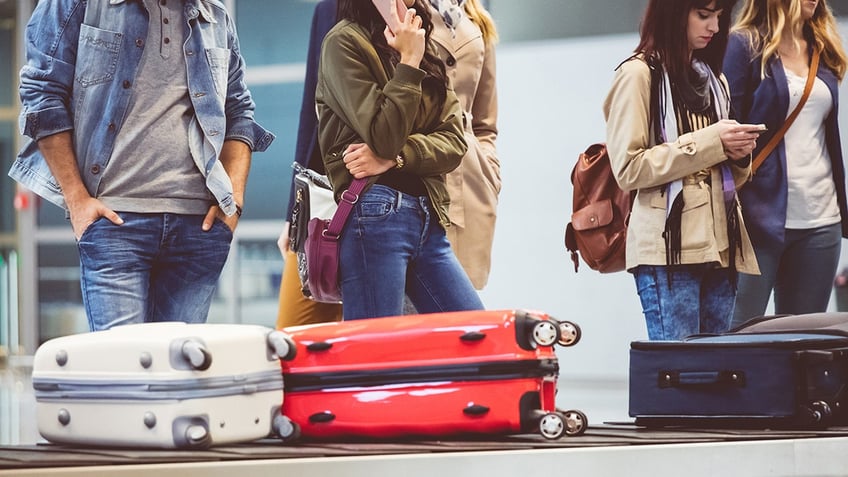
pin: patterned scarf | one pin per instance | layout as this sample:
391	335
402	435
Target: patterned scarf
450	10
707	85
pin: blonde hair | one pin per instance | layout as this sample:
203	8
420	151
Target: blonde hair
478	14
763	22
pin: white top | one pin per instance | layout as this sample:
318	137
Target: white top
812	194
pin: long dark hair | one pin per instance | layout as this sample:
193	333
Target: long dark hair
363	12
664	35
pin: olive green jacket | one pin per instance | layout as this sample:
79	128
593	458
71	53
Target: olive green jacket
361	100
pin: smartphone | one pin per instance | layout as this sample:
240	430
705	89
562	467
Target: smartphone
762	129
385	8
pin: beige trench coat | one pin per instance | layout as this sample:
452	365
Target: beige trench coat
474	186
641	165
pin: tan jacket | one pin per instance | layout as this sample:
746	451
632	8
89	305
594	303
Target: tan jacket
473	186
641	165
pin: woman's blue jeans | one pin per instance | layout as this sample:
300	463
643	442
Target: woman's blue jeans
153	267
800	271
699	300
393	244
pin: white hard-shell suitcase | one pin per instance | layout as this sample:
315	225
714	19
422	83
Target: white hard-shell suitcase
167	385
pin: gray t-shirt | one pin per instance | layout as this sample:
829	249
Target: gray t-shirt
151	169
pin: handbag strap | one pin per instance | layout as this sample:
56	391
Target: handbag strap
778	136
348	199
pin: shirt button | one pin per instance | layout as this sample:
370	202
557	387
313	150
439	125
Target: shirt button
127	84
166	40
450	61
165	21
163	2
111	127
139	42
95	169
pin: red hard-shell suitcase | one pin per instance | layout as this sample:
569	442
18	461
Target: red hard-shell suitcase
475	372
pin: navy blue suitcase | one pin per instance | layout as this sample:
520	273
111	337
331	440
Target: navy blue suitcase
782	379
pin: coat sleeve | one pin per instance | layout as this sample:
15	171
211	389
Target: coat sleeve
46	80
384	116
635	162
484	109
738	69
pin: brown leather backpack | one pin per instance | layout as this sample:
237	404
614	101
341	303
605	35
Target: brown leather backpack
601	211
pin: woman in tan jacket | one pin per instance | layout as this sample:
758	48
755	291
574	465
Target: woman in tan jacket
465	36
670	139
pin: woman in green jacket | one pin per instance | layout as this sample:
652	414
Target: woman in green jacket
385	113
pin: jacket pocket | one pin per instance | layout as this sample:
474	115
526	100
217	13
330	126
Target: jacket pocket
696	225
696	221
97	55
219	61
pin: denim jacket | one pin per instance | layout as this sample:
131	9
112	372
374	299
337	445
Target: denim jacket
82	60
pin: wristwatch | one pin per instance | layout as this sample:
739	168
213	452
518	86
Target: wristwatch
400	162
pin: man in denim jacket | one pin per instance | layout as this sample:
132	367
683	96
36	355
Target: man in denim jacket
141	127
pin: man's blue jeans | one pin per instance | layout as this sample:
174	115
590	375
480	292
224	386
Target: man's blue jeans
800	271
699	300
393	243
154	267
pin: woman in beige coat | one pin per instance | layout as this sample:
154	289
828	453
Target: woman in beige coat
465	37
670	139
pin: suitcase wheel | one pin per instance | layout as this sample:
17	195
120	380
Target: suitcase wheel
546	333
281	345
819	413
569	333
552	426
575	422
286	429
197	435
191	432
197	356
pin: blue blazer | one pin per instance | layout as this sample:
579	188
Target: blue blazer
755	101
306	147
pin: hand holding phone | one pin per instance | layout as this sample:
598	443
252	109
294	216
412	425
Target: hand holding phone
752	128
392	11
404	32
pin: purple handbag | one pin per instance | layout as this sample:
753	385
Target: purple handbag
322	247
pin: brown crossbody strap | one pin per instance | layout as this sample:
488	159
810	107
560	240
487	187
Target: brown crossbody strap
811	77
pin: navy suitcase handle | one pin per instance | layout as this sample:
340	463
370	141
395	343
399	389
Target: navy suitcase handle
720	379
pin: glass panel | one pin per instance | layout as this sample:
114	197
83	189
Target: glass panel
278	110
530	20
257	267
60	308
7	185
50	215
273	32
8	276
7	64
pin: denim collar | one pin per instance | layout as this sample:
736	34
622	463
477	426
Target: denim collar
193	9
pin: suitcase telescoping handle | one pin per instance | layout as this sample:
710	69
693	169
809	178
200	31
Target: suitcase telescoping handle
720	379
